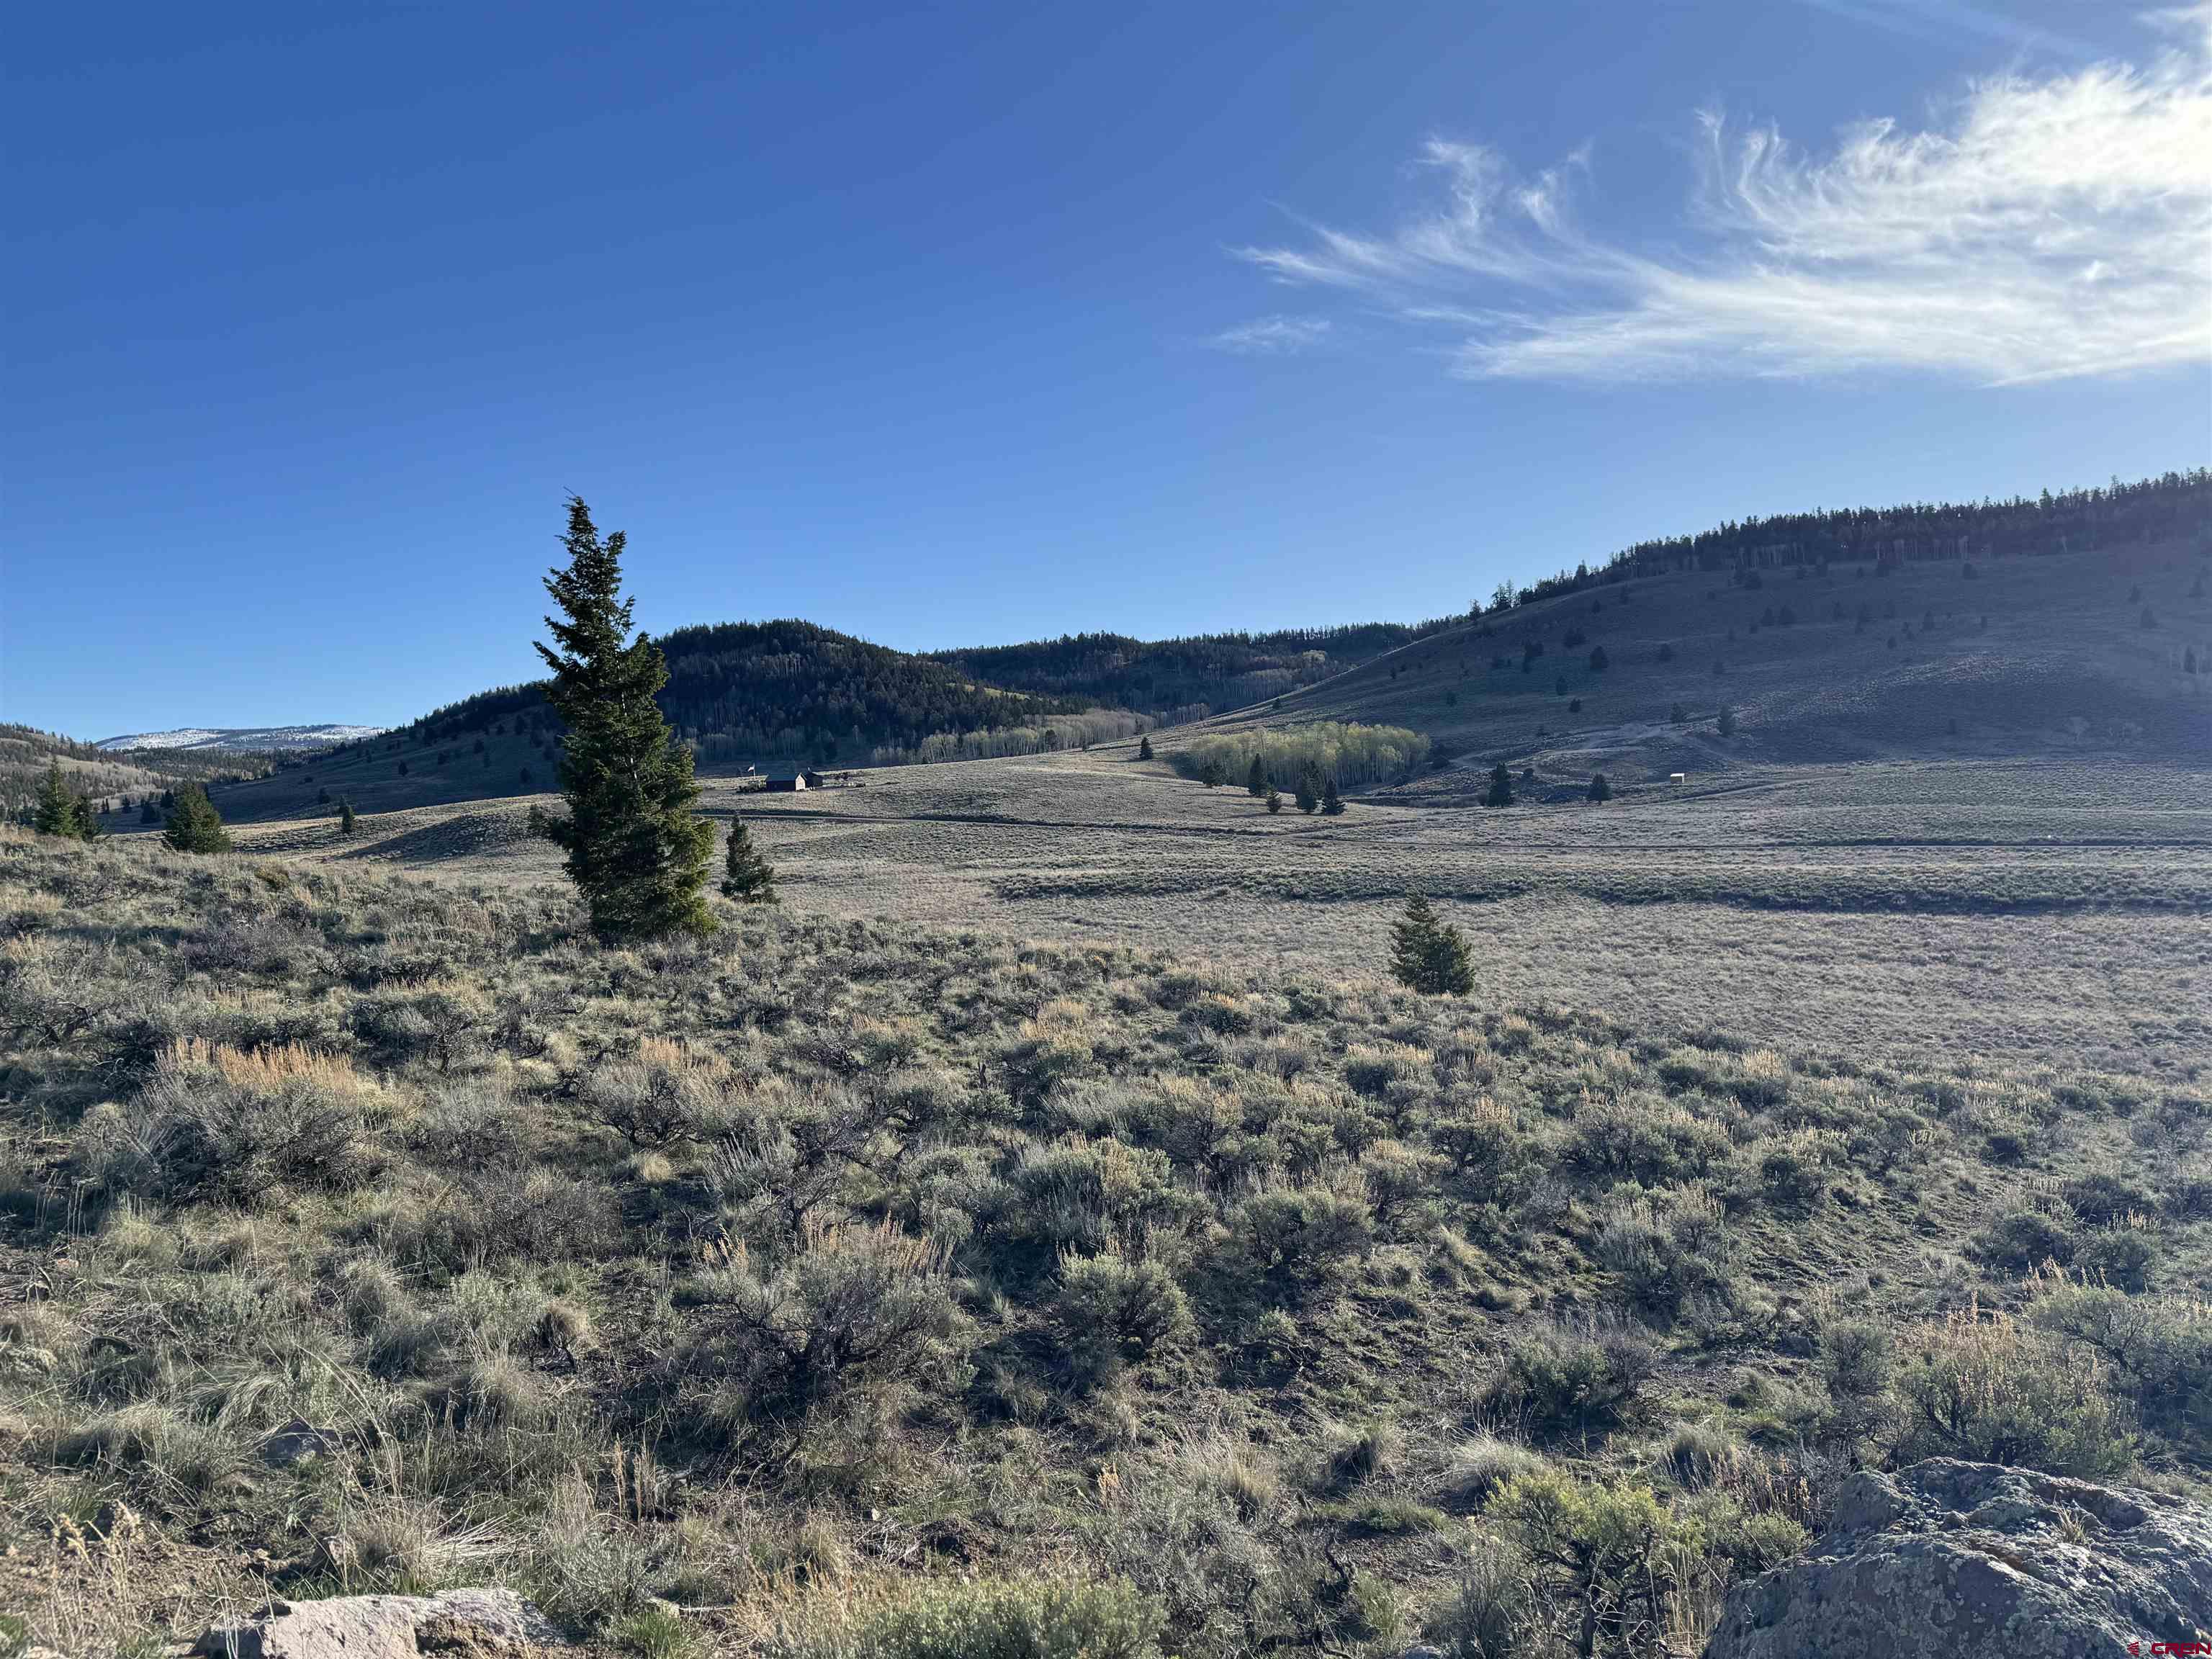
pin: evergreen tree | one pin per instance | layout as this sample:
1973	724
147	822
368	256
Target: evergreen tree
1332	803
194	825
61	810
1309	788
1429	956
1726	724
746	875
1274	798
1255	781
1599	789
636	848
1144	749
1501	787
346	818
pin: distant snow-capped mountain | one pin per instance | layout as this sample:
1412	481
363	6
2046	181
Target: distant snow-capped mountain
264	738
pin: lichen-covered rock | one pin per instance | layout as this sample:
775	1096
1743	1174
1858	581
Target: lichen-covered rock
1978	1561
458	1622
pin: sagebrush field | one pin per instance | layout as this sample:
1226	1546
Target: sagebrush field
833	1280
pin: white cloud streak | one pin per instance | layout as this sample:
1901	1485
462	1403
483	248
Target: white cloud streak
2046	228
1929	20
1270	336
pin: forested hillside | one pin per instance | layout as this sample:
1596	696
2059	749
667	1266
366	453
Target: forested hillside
787	690
2090	653
776	695
1178	679
111	777
2006	627
2174	507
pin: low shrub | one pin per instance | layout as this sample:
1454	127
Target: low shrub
1038	1618
2022	1240
1293	1246
1478	1467
2159	1349
1994	1390
1109	1313
2120	1256
1556	1377
1666	1254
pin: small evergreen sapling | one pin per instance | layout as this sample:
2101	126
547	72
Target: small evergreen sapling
1501	787
1332	803
346	818
1429	956
194	825
1599	788
1255	781
746	875
61	810
1144	749
1309	788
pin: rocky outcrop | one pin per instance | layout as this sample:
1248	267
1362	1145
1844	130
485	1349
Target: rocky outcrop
1977	1561
459	1622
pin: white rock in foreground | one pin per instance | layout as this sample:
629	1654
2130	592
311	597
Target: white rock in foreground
473	1621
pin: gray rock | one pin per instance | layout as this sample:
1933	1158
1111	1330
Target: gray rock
1978	1561
462	1621
298	1441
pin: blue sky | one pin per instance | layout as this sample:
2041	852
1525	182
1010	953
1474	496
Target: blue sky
982	323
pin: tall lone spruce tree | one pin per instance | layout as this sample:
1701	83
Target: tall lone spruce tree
636	848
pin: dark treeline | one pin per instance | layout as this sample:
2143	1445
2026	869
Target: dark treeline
784	688
2175	506
1178	678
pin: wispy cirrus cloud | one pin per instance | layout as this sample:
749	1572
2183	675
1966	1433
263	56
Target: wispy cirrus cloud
1270	336
2044	228
1929	20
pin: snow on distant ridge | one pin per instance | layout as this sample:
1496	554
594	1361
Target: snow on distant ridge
262	738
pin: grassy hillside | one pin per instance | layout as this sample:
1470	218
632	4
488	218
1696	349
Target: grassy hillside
2083	653
825	1277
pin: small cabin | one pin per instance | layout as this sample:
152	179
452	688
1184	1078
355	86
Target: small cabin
786	786
1671	777
810	779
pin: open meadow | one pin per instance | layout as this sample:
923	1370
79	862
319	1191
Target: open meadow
1929	909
